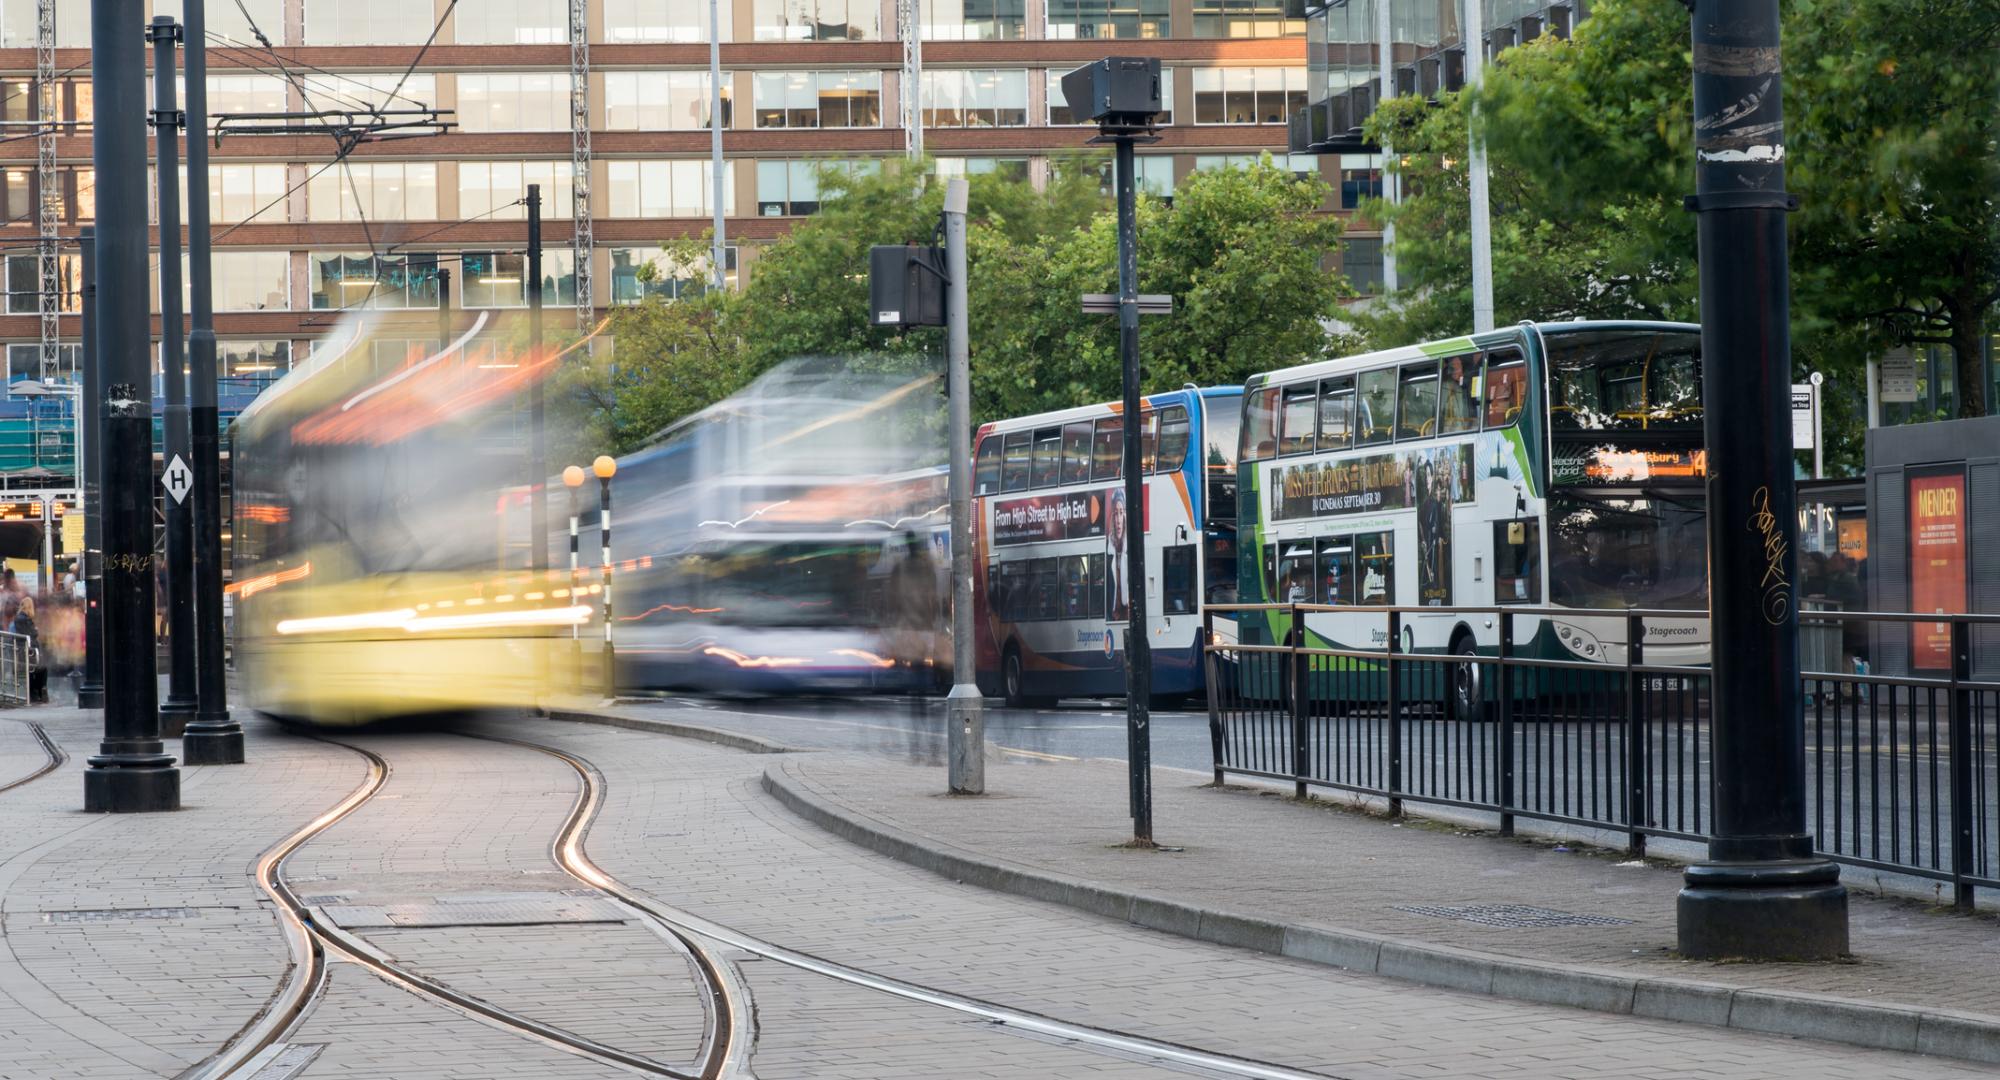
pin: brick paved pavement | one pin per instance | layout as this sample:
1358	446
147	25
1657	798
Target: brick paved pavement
689	824
1254	851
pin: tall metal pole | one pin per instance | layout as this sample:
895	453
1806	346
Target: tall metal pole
177	477
605	467
444	308
1761	893
718	249
213	737
965	717
1482	219
1138	649
572	480
1385	59
131	771
90	691
538	457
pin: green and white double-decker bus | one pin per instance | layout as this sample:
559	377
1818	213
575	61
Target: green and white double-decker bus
1553	465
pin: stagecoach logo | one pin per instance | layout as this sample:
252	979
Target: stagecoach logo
1110	645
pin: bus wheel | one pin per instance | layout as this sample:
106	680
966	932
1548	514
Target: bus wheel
1014	683
1468	682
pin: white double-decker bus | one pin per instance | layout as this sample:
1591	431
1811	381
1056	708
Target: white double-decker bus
1542	465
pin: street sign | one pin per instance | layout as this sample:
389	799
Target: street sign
1802	416
1898	374
178	479
72	532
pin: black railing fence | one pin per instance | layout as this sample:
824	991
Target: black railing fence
1902	769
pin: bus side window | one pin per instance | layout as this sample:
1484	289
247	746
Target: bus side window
1149	441
1336	413
1177	577
1046	605
1093	590
1377	555
1517	561
1048	456
1378	407
1336	570
1173	438
1014	457
1506	388
1260	425
1074	582
1458	394
987	476
1295	419
1076	453
1416	409
1109	459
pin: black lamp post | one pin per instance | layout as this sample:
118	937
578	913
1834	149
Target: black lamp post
572	480
606	467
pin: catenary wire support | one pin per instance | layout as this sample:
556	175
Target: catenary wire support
582	238
910	24
49	208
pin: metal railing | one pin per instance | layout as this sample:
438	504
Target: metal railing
17	657
1902	766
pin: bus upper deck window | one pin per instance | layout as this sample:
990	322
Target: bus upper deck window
1377	402
1173	438
1295	419
1458	394
986	478
1416	407
1336	413
1260	425
1076	452
1107	463
1149	441
1014	461
1506	389
1048	456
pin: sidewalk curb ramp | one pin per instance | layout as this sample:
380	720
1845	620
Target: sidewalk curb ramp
1911	1029
735	740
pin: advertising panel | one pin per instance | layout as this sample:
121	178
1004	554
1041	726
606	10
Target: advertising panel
1388	481
1073	515
1937	562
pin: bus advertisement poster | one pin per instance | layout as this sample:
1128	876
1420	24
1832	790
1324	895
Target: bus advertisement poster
1392	481
1937	562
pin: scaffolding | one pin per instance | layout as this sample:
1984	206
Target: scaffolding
582	240
49	195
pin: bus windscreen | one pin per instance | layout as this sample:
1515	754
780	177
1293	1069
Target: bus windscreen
1609	380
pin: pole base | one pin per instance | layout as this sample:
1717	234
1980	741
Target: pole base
965	739
210	741
90	697
120	790
174	717
1780	910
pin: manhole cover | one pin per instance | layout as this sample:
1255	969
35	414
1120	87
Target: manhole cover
1511	915
118	914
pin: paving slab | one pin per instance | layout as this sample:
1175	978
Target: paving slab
1419	901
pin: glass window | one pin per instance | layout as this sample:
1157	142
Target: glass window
977	97
1260	95
662	20
1336	413
1302	166
1506	389
1260	427
246	193
1071	20
1173	438
661	100
1149	441
1011	168
1611	552
245	367
24	284
639	274
1416	414
666	189
1060	115
986	476
1361	261
246	280
1360	178
818	99
373	191
818	20
225	20
346	280
229	94
1458	394
1295	572
1046	603
793	187
1093	566
1335	574
1624	381
974	20
369	91
1015	471
1108	463
1297	418
496	190
1075	579
499	279
509	22
1177	580
514	101
1378	407
1243	19
1076	452
365	22
1376	555
1048	456
1517	562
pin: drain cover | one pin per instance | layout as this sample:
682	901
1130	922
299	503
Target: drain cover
118	914
1511	915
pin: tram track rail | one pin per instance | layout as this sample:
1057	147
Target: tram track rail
52	755
313	940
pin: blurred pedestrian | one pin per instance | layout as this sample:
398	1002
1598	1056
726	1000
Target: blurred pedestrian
14	620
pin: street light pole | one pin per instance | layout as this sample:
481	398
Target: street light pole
213	737
606	467
538	463
90	690
1138	650
178	480
572	480
1761	893
965	718
131	772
